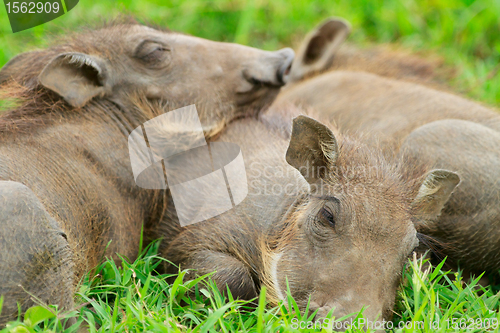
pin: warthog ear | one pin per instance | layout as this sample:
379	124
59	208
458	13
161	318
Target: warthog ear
319	46
313	148
76	77
434	193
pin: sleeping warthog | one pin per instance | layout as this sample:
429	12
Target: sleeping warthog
67	186
325	49
383	108
469	226
386	111
338	232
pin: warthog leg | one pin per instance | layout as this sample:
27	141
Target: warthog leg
229	272
35	258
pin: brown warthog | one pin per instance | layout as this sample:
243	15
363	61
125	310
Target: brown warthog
324	49
384	108
386	111
325	214
470	223
67	187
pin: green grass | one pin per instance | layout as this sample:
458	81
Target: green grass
132	297
463	32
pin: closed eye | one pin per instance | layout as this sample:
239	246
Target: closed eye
326	215
154	55
151	51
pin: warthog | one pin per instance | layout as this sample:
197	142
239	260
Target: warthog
67	187
469	226
325	49
324	213
385	108
386	111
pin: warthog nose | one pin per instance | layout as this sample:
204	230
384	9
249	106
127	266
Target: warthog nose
272	69
284	70
344	318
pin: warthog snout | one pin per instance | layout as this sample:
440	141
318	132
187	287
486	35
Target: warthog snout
344	314
283	73
272	68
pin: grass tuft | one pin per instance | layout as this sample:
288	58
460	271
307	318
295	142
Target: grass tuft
132	296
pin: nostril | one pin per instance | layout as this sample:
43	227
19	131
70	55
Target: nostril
63	235
287	70
324	312
313	306
284	71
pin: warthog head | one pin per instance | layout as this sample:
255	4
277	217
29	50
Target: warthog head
115	62
343	245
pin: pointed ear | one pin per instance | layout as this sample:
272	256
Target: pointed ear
434	193
319	47
14	66
313	148
76	77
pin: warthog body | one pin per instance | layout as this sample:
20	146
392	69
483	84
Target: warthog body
325	50
387	110
338	232
67	186
469	226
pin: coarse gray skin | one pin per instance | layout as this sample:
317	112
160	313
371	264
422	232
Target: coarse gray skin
469	224
387	111
339	233
67	188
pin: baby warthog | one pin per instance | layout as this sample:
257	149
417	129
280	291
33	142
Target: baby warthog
387	107
67	186
469	227
325	216
447	130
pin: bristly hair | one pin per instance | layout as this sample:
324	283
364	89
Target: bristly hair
398	63
434	246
